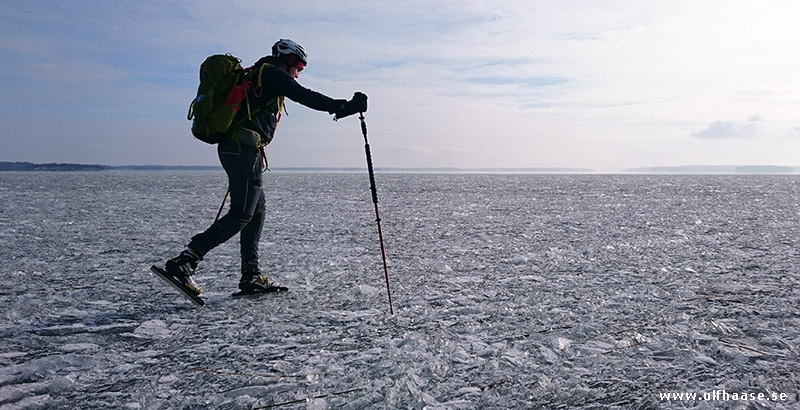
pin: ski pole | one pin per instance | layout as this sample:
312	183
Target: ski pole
224	199
377	212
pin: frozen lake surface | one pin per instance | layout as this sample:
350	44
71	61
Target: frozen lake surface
510	292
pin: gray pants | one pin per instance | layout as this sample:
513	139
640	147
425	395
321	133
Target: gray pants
246	213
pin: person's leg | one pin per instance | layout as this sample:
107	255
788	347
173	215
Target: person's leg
244	181
251	235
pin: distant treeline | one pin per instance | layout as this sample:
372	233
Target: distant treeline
716	169
29	166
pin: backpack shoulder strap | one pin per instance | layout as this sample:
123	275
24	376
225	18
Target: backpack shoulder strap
259	85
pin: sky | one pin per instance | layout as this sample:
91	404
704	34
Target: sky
599	84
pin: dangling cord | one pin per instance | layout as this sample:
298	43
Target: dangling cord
281	109
264	161
279	100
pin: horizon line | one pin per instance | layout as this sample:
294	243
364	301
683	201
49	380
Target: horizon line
679	169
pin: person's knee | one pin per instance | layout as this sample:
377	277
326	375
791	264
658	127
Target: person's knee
241	218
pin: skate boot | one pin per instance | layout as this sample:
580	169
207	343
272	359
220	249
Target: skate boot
182	268
254	282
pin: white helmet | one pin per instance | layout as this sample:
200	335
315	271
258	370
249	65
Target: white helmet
285	46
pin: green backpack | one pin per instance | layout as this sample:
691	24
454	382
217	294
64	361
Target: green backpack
219	96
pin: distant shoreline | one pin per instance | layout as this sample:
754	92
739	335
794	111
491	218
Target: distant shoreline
64	167
678	170
717	169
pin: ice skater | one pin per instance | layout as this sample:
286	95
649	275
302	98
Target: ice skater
243	159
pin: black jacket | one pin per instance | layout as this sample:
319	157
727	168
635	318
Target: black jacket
277	83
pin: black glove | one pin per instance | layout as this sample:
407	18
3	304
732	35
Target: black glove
347	108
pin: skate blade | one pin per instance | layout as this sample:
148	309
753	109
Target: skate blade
178	286
271	289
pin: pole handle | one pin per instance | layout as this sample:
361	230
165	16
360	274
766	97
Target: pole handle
363	126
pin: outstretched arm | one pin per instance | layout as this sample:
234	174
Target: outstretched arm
285	85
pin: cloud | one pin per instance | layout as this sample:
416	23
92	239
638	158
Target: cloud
794	134
731	129
423	151
525	82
